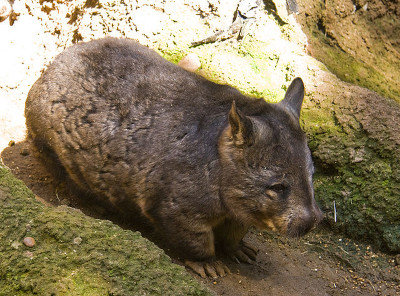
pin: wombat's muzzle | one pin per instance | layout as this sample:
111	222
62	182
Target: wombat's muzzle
303	224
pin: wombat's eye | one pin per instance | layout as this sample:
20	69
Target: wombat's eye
277	188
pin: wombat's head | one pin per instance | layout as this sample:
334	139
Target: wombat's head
267	167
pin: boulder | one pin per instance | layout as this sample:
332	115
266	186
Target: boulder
61	251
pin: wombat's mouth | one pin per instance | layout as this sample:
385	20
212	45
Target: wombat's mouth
291	229
297	230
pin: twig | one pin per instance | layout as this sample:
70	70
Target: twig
343	250
370	284
334	211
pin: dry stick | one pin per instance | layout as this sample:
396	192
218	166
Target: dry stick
334	211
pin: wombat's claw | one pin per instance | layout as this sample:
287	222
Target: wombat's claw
245	253
212	269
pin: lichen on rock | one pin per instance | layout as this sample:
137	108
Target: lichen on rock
107	260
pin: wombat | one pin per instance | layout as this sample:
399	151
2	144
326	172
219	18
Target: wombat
201	161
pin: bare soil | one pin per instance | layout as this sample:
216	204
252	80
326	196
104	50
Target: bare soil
322	263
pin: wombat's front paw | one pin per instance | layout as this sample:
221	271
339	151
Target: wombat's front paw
212	269
245	253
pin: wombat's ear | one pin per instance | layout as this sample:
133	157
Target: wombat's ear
294	97
241	127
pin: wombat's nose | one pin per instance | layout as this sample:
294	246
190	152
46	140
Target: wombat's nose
307	220
318	214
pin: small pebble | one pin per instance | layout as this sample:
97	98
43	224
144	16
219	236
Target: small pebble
11	143
29	241
77	240
190	62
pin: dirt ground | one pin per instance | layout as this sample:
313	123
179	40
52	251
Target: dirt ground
322	263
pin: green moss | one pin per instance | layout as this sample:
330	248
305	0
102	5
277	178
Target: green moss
173	55
353	69
78	255
84	284
317	121
391	235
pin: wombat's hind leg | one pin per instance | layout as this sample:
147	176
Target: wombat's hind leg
213	269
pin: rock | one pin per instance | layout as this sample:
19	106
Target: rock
100	264
355	142
354	133
190	62
29	241
359	32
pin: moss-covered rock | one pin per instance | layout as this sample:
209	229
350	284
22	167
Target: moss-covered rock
354	133
356	40
356	145
78	255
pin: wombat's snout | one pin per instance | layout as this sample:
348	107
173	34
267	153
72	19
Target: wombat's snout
304	222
